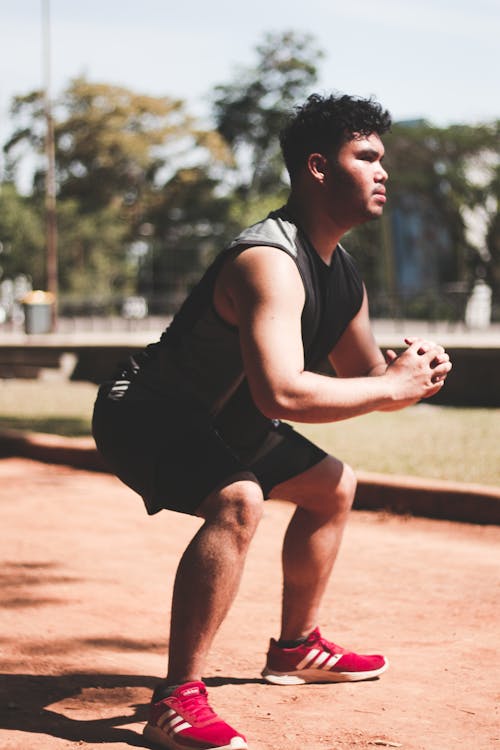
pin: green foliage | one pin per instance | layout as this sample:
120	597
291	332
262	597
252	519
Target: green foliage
120	159
187	221
494	248
441	172
250	111
147	197
22	236
93	257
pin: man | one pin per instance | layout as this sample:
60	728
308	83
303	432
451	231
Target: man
194	423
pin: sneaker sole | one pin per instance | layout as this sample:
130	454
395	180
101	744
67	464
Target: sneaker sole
157	736
316	675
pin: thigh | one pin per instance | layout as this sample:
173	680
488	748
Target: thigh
324	485
284	455
171	456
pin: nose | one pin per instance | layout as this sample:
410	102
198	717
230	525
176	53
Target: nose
381	175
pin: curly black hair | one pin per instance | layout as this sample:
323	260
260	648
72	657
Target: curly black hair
323	124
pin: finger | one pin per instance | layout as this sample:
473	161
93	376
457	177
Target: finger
428	346
440	358
390	356
438	379
414	344
435	388
441	371
422	348
424	345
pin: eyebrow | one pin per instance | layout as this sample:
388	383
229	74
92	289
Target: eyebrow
368	151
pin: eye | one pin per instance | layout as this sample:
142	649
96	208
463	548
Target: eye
369	156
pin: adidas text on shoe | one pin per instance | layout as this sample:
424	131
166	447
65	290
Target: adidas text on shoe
318	660
185	721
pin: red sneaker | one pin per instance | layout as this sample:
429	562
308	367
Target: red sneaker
185	721
318	660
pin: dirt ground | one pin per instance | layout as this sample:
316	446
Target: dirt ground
86	586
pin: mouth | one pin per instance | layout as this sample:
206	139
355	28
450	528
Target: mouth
380	195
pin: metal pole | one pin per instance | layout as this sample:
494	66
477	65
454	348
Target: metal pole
50	177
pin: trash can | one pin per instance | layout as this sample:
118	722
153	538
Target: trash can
37	306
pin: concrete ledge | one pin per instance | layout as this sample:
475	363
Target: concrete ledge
432	498
93	356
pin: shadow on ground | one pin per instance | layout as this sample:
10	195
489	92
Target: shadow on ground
40	704
27	701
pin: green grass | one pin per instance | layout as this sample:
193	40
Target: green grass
58	407
429	441
425	440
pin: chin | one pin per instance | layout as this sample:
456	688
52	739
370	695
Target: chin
375	213
369	216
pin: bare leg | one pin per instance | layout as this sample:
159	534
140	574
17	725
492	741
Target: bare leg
323	495
209	574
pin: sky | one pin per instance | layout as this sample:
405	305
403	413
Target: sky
436	59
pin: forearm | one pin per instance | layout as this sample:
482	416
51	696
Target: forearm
305	396
379	369
319	398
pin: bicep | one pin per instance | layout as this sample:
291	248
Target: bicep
356	354
267	296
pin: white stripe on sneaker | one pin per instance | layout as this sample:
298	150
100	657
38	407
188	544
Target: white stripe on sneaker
165	717
317	659
180	727
332	661
308	658
171	722
318	663
175	721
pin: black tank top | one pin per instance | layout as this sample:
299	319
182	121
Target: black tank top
199	354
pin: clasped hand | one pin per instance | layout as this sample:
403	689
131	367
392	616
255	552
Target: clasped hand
418	372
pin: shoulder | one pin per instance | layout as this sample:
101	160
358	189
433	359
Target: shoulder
258	278
276	230
264	268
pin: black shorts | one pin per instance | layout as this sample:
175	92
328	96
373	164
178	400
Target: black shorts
174	457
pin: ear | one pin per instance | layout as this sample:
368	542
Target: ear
317	166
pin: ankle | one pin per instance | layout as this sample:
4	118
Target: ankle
298	633
166	687
181	678
291	642
163	690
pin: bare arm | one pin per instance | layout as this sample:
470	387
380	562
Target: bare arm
357	353
261	292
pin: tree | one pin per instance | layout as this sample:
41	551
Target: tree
423	246
434	164
249	111
185	226
22	247
115	151
94	262
111	143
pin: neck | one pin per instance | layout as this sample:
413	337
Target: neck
323	233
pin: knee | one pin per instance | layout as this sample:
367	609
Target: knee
346	489
238	508
341	489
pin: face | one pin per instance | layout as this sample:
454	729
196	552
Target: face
355	181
